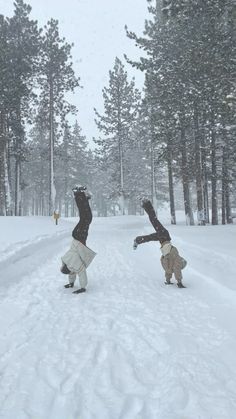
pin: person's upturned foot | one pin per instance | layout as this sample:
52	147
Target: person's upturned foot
147	205
70	285
79	291
144	201
180	285
79	189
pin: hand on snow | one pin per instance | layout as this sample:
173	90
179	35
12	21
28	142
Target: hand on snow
135	245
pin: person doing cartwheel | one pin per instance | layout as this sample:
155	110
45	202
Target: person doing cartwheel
171	261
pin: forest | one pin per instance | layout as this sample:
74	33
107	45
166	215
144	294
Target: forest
173	141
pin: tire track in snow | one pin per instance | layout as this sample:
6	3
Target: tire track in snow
27	259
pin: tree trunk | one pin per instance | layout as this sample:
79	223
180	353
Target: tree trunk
229	218
198	163
153	174
223	213
17	186
2	173
121	197
66	209
205	179
171	185
18	157
185	179
121	163
214	208
5	199
226	206
51	153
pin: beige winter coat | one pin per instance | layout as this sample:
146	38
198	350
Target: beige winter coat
78	257
171	261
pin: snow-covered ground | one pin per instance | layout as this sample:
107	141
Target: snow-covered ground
129	348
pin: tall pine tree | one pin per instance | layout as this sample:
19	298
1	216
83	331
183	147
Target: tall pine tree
121	100
56	79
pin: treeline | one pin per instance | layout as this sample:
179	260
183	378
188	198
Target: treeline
173	142
35	75
184	125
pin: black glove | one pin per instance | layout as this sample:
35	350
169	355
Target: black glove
138	240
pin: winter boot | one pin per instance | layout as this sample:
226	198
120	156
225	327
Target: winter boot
70	285
168	282
145	202
79	291
180	285
79	189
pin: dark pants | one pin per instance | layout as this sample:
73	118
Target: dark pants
160	229
80	231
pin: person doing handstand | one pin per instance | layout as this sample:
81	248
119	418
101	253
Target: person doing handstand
79	256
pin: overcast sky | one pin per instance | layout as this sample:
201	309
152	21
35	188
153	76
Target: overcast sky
96	27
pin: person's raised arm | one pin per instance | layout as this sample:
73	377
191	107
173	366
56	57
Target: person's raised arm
145	239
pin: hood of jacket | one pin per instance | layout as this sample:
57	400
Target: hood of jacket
166	248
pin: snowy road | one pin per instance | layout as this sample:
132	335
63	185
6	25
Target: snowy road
129	348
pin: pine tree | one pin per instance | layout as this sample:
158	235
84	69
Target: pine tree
167	97
190	63
120	109
79	157
23	38
35	169
72	167
56	79
19	51
138	172
5	200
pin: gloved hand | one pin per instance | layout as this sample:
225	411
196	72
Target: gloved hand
135	245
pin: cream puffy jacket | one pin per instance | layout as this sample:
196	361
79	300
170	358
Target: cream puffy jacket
166	248
78	257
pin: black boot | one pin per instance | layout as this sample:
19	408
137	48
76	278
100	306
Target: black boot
146	204
79	189
79	291
180	285
70	285
168	283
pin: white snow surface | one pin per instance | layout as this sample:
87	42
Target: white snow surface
130	347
